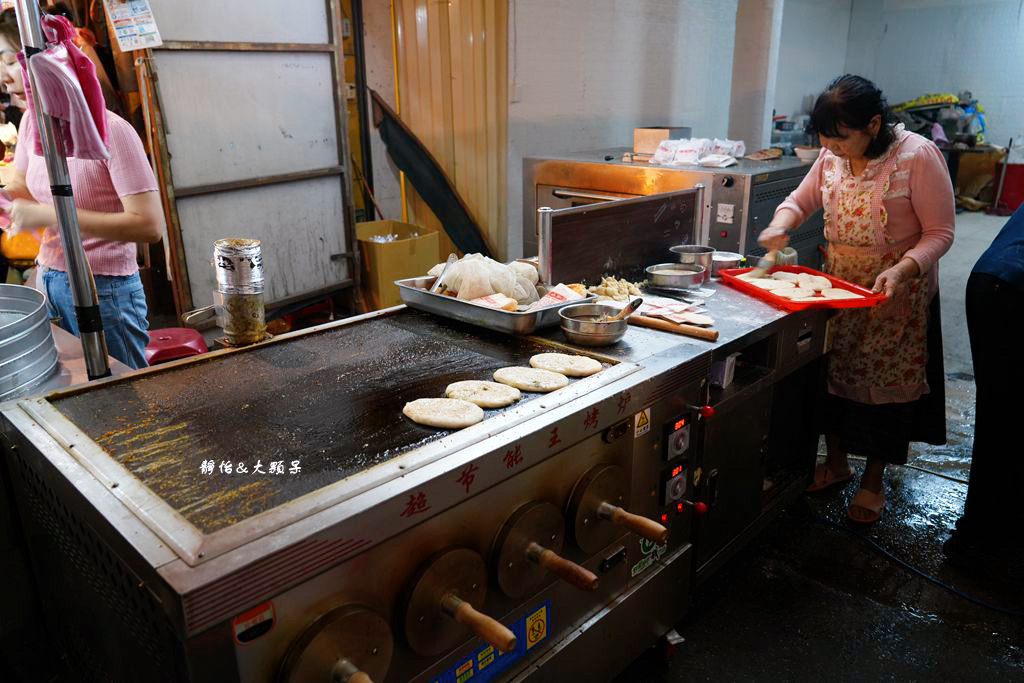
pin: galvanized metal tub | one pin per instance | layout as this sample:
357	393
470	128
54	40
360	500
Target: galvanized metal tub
27	351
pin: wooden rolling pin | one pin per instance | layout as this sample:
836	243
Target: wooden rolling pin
567	570
641	526
688	330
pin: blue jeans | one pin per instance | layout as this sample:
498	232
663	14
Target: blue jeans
122	308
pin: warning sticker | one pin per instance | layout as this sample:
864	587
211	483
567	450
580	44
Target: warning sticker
252	624
464	672
488	664
643	423
724	213
536	627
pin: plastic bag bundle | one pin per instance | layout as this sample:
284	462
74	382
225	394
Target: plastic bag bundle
690	151
665	152
475	276
733	148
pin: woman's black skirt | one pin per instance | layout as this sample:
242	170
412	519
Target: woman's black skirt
884	431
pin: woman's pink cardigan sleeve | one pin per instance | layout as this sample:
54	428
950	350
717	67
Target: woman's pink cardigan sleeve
931	195
806	198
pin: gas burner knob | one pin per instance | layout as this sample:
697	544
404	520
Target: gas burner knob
698	507
728	181
707	412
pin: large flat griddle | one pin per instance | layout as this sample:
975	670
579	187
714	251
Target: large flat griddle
331	401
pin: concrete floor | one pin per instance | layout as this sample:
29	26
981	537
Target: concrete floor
811	601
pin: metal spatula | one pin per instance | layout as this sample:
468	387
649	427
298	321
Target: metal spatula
452	258
764	264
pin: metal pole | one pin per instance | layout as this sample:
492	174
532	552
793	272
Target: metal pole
83	287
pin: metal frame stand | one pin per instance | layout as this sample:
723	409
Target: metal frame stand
83	287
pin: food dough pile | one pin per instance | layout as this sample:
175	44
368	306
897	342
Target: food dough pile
614	288
466	399
475	276
803	287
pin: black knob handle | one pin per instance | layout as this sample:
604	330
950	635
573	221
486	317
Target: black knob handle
728	181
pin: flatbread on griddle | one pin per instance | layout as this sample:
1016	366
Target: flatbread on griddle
566	364
446	413
484	394
531	379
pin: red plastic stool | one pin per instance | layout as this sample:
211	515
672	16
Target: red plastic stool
172	343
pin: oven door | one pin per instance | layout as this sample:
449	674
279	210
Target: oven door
566	197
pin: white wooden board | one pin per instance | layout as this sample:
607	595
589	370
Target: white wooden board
300	224
248	21
235	116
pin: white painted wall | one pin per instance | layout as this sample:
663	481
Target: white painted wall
911	47
754	70
584	73
812	51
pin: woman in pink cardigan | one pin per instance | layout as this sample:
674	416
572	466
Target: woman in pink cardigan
889	214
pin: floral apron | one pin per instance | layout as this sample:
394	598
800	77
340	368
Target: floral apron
878	355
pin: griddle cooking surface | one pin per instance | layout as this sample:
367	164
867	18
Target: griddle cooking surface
332	401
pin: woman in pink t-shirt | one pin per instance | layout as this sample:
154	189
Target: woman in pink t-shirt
118	205
889	212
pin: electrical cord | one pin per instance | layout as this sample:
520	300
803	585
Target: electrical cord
861	458
920	572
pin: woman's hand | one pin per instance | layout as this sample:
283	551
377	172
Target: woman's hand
773	237
29	215
893	281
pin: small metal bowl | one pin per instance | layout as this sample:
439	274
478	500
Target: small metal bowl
579	328
725	259
697	255
676	275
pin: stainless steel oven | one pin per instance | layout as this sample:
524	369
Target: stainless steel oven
739	201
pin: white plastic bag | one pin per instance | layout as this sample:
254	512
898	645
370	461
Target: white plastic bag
665	152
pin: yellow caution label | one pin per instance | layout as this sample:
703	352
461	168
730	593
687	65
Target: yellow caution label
536	627
485	657
643	423
464	672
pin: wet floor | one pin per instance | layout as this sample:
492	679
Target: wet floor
809	600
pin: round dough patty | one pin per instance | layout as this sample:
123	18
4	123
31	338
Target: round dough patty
837	293
785	275
795	293
531	379
565	364
484	394
771	283
446	413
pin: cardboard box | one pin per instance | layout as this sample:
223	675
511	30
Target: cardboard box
385	262
646	140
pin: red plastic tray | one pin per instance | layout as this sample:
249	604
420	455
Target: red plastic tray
870	298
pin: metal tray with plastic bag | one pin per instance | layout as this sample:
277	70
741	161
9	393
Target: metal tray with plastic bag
415	293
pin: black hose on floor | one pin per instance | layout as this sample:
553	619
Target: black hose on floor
920	572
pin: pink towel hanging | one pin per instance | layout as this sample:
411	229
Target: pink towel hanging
69	92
